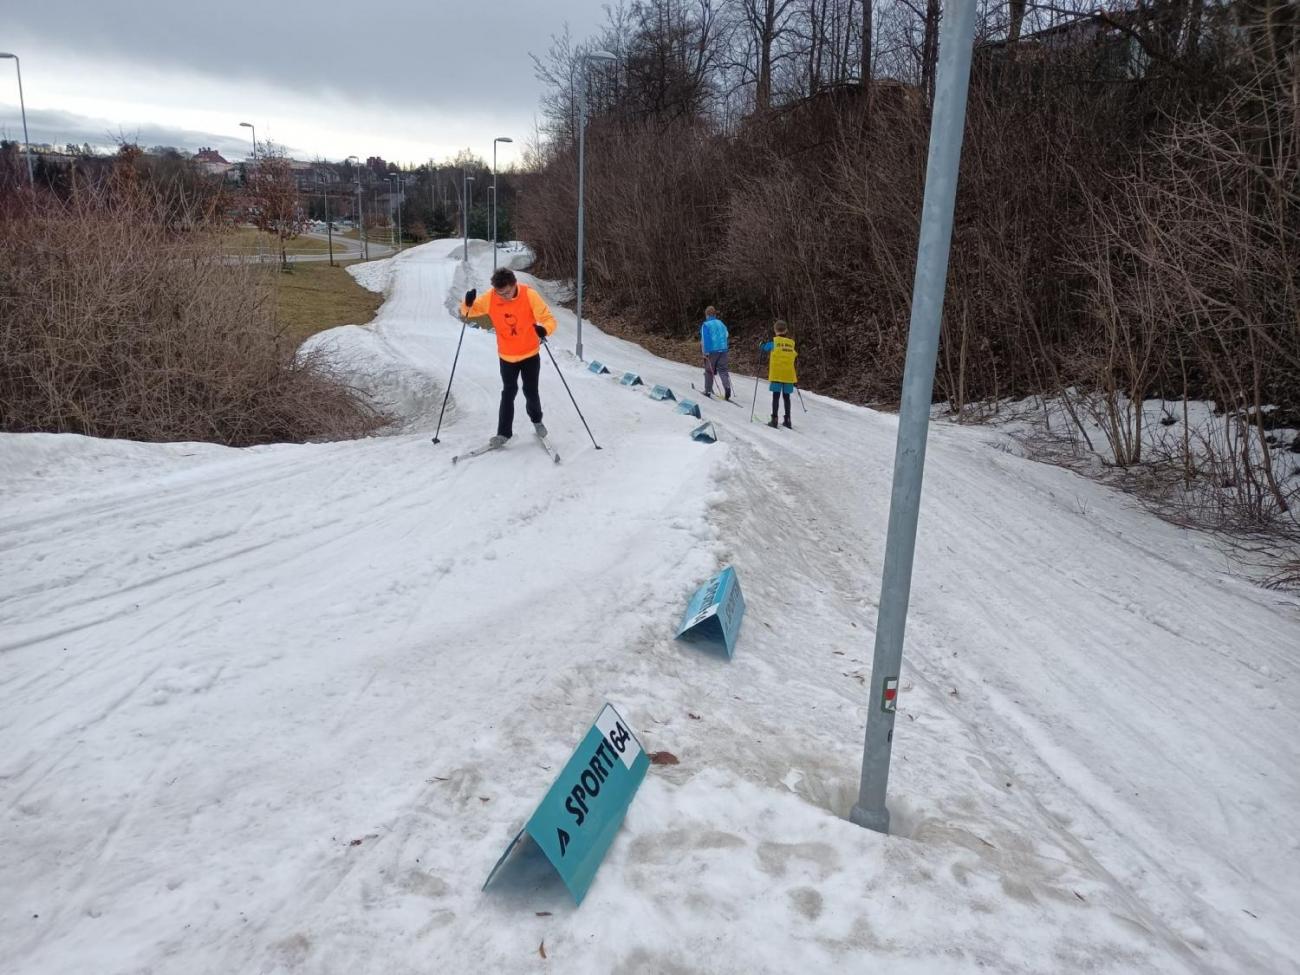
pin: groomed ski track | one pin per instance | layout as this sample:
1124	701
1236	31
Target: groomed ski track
221	669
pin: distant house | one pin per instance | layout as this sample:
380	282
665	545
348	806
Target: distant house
1105	41
212	162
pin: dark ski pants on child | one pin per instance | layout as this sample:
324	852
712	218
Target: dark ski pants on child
715	364
530	369
776	401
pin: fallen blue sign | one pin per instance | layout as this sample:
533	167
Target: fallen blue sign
715	611
705	433
631	379
599	368
576	821
661	393
689	407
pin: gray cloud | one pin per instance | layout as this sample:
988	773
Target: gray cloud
59	128
445	54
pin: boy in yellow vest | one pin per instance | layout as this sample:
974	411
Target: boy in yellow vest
781	376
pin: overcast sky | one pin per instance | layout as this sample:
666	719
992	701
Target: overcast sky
406	80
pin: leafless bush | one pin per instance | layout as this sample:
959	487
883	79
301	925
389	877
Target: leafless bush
1192	271
114	323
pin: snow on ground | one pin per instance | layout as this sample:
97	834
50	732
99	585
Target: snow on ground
280	710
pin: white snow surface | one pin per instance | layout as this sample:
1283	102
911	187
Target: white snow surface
280	710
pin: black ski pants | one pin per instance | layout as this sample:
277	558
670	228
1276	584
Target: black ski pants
776	401
530	369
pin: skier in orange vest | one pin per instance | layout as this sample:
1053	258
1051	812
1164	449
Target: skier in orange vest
522	321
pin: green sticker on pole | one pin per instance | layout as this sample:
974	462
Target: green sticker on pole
577	819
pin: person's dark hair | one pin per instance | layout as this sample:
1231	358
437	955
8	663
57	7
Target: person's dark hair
503	277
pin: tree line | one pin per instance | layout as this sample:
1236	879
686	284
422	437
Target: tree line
1128	213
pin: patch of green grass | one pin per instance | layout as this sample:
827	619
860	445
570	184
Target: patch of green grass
243	240
312	297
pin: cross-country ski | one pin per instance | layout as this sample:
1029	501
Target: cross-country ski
546	446
478	452
714	398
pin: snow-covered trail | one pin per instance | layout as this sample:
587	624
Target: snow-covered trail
219	669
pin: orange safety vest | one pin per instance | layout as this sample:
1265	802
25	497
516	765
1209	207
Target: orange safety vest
513	321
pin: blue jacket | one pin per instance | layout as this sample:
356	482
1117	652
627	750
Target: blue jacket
713	335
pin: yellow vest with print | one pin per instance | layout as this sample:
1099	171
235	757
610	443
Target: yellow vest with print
780	363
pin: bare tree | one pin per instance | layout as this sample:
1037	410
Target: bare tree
274	203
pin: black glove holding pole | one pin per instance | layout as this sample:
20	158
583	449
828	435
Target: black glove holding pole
541	331
470	295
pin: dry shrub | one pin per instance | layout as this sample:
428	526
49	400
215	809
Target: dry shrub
115	323
1193	270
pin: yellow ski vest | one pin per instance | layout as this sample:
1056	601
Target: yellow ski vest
780	363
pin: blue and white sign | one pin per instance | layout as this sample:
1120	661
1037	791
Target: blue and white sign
631	379
661	393
599	368
715	611
689	407
576	821
705	433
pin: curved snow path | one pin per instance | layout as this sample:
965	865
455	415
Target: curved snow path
280	709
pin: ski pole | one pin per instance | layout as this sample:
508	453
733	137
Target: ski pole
800	392
754	405
547	347
452	377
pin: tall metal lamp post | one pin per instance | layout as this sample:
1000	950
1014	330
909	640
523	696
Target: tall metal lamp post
465	180
401	191
946	125
582	133
500	138
22	105
362	243
329	224
250	125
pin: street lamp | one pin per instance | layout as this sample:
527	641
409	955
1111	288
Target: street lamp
362	243
465	179
582	131
401	196
250	125
329	224
27	142
500	138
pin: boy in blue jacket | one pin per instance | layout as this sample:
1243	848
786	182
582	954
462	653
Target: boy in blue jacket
713	338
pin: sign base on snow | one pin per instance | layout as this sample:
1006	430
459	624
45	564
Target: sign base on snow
689	407
715	611
662	393
705	433
631	379
580	814
599	368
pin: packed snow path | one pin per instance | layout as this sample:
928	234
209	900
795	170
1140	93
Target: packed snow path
280	709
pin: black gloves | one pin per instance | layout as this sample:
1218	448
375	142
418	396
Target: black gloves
541	331
470	295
